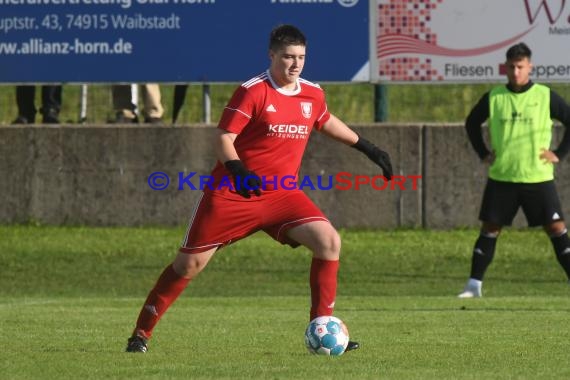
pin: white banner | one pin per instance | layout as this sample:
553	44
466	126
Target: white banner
457	41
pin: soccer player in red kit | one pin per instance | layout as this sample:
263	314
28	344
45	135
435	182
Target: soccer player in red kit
261	138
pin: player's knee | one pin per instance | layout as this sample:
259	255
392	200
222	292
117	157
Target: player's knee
490	230
330	243
183	269
557	228
189	265
335	242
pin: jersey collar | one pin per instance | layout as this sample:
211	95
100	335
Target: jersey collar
281	89
522	89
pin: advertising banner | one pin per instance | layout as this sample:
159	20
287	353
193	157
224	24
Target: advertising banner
466	40
175	41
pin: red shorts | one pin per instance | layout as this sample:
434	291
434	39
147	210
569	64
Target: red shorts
219	220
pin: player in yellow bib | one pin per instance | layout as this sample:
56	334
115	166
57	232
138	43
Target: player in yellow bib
521	171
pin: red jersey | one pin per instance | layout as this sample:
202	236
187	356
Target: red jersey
273	126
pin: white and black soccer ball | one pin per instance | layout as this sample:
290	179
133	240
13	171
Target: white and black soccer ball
326	335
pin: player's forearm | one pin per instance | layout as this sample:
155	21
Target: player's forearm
564	147
338	130
475	134
224	146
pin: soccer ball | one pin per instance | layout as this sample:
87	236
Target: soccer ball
326	336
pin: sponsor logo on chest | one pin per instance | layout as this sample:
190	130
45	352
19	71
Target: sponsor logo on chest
288	129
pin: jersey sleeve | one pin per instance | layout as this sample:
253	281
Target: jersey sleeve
560	111
323	116
473	123
238	112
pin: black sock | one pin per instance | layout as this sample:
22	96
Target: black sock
483	253
561	246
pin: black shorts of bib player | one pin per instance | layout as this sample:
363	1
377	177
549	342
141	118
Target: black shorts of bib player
538	201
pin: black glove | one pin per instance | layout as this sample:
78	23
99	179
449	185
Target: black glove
244	180
376	155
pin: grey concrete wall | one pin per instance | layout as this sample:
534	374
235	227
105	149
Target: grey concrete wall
97	175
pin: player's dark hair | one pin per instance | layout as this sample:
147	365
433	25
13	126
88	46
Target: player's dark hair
285	35
518	51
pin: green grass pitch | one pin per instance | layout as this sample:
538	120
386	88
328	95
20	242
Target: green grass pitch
69	297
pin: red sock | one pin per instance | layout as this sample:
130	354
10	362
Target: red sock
165	292
323	287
